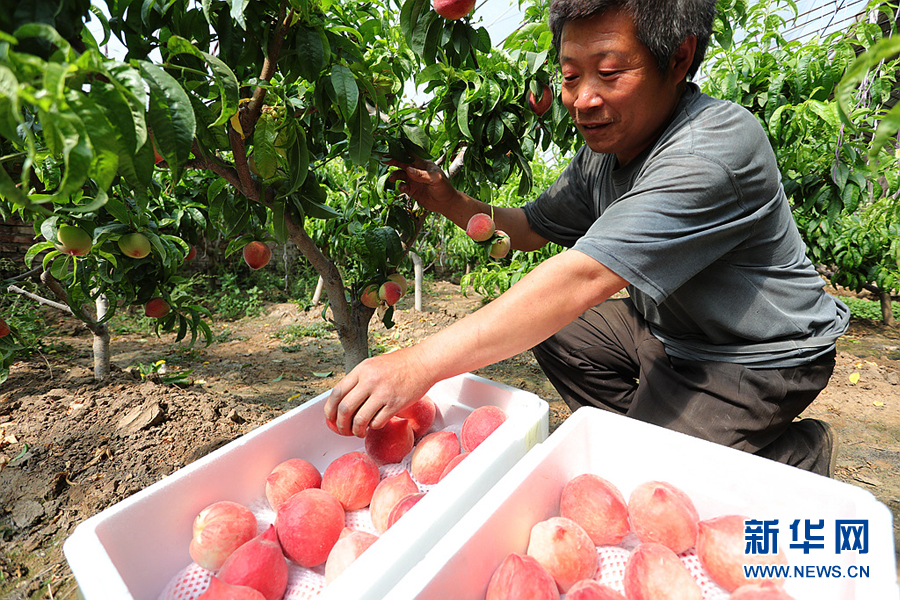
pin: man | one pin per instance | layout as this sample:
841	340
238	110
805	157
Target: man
726	334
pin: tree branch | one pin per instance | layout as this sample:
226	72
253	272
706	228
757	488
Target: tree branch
254	107
40	299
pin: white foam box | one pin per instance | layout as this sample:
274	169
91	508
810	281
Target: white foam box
627	453
133	549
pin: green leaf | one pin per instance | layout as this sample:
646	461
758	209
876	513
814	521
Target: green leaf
170	116
346	91
237	11
410	13
279	226
225	79
361	136
264	156
311	53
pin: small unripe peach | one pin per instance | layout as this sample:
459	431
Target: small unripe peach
500	247
73	240
369	296
480	227
135	245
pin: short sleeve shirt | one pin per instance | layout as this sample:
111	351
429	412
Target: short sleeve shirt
700	227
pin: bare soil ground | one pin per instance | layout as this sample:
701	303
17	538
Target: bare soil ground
70	446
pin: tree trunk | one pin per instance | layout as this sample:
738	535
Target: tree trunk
353	333
101	340
887	311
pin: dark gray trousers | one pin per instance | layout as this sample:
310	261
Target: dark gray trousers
608	358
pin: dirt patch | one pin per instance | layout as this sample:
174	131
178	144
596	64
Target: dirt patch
70	446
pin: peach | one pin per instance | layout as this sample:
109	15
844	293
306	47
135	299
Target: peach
369	296
4	328
479	424
192	253
399	280
540	105
403	506
156	308
653	571
352	479
389	292
501	245
135	245
598	506
767	590
660	512
720	548
420	415
564	549
432	455
259	564
308	525
257	254
391	443
220	529
219	590
480	227
290	477
520	576
452	464
591	589
73	240
347	549
389	492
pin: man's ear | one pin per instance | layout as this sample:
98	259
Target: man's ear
681	61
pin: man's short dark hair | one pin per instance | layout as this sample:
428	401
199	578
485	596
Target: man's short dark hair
662	25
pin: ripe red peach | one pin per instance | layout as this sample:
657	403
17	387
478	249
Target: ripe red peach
653	571
521	576
564	549
660	512
257	254
479	424
389	492
399	280
420	415
346	550
369	296
432	455
766	590
192	254
720	547
220	529
452	464
219	590
598	506
591	589
540	105
480	227
135	245
4	328
352	479
391	443
389	292
308	525
403	506
156	308
290	477
259	564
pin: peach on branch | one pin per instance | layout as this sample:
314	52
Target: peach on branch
219	590
259	564
420	415
591	589
218	530
346	550
390	443
399	280
73	240
564	549
721	545
660	512
257	254
308	525
390	292
4	328
521	576
432	455
453	9
598	506
135	245
479	424
480	227
501	245
540	105
289	477
369	296
192	253
653	571
388	493
156	308
403	506
352	479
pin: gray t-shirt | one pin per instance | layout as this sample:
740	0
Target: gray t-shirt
700	227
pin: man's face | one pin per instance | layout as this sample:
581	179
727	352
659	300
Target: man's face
612	86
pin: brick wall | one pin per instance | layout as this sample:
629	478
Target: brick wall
15	239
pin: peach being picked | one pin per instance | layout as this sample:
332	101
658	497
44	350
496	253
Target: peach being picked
352	479
654	571
720	548
388	493
501	245
520	576
290	477
480	227
308	524
348	548
220	529
259	564
660	512
479	424
218	590
432	455
564	549
403	506
420	415
390	444
598	506
591	589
